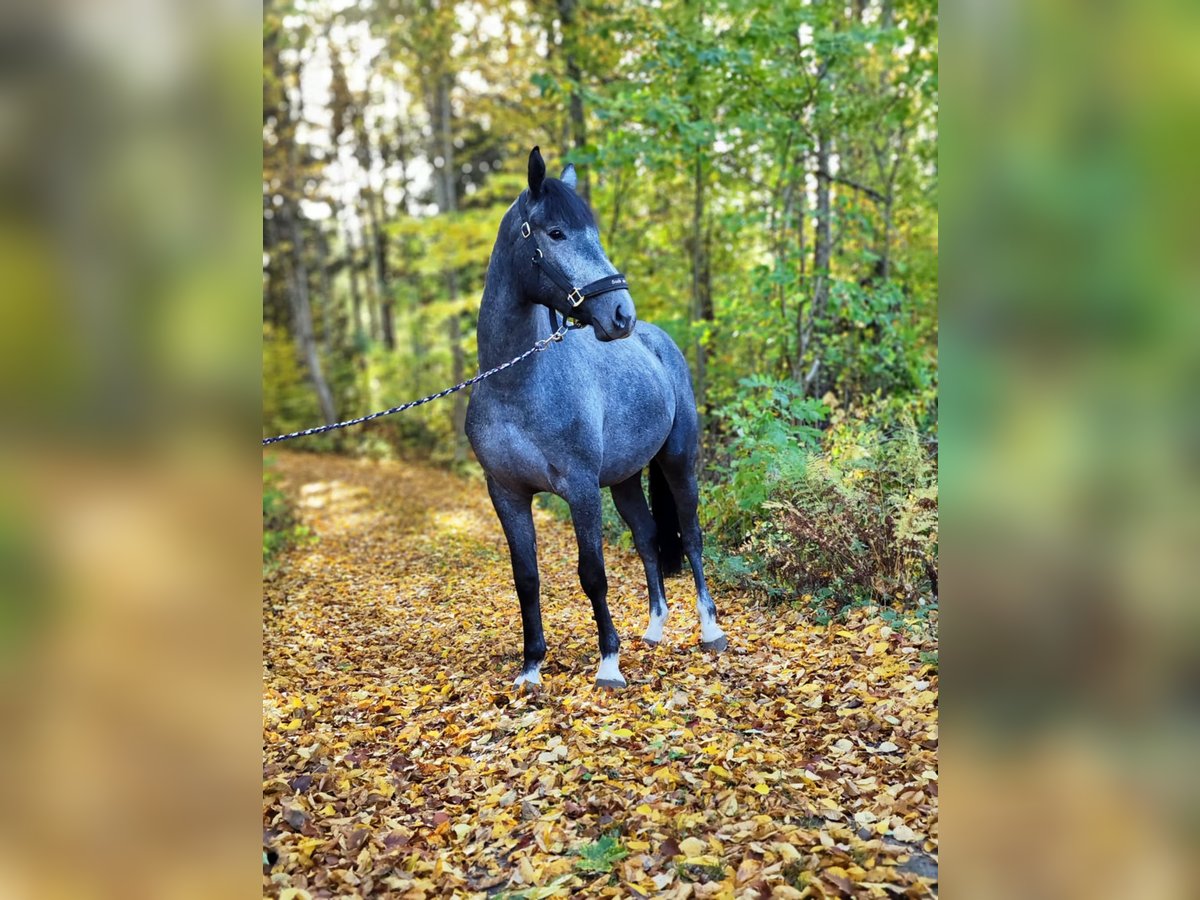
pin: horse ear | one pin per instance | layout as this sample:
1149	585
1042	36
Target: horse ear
568	176
537	171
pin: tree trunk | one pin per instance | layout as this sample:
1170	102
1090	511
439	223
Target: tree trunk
328	312
302	322
885	252
570	46
387	302
615	219
801	251
371	296
702	307
387	326
449	204
356	296
822	253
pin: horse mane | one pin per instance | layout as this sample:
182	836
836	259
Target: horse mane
560	203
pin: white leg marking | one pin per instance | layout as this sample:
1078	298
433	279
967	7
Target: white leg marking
533	676
654	631
709	629
610	670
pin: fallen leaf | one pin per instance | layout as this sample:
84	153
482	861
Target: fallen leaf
398	761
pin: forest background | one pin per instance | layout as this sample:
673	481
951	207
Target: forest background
766	175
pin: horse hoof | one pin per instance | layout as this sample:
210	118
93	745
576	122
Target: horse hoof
717	646
611	683
529	681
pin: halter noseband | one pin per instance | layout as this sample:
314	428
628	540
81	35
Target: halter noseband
575	295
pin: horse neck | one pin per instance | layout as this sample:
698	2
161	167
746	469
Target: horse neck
508	324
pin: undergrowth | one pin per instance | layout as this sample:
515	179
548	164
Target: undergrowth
281	529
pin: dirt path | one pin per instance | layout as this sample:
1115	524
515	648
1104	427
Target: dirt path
399	762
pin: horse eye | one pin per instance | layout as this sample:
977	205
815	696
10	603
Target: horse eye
556	234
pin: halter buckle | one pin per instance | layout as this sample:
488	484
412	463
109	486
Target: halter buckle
575	297
525	230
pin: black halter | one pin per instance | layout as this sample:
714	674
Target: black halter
575	295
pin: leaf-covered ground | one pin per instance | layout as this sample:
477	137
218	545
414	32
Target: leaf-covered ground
398	761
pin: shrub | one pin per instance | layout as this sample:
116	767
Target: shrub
860	521
848	514
280	528
770	433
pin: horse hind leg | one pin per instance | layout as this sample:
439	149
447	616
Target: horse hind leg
516	518
584	500
631	504
679	470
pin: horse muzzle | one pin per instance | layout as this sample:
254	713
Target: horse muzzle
615	316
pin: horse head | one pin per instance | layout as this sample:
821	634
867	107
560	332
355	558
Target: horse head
568	269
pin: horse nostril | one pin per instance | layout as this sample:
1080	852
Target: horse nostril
620	318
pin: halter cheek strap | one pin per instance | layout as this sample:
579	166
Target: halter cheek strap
575	295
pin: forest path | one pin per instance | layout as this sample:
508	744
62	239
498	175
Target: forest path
398	761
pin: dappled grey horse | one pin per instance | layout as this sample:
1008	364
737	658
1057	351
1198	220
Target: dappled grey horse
591	412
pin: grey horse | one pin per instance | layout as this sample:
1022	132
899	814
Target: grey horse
592	411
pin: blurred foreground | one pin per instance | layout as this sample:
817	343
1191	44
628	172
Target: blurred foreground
1070	347
129	271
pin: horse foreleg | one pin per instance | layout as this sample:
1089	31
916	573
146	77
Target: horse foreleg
631	504
584	501
516	518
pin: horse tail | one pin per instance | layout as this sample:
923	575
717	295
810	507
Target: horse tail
666	521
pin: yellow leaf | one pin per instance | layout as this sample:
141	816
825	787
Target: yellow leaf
526	870
786	851
762	788
307	845
692	847
622	733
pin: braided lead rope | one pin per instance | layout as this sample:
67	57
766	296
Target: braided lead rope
538	347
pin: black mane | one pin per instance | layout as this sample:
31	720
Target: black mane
560	203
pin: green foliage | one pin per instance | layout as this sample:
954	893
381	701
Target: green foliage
599	856
860	519
839	516
553	888
771	428
287	400
280	527
870	343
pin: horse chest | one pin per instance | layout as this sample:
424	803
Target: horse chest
608	427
